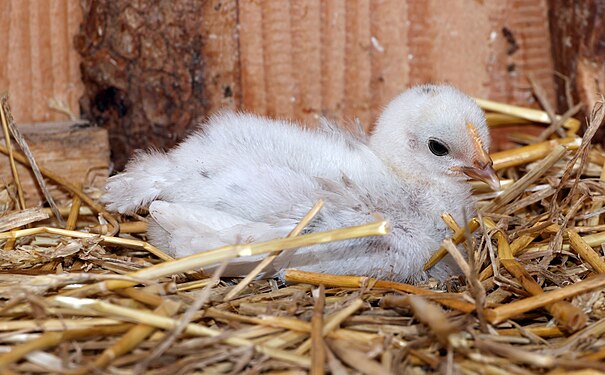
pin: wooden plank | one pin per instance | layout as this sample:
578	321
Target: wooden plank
75	150
306	59
500	86
38	62
19	60
358	62
251	55
529	21
457	42
4	46
41	74
61	46
460	51
421	34
220	53
390	67
486	48
73	87
277	48
333	41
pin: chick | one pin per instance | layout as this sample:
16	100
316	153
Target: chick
245	178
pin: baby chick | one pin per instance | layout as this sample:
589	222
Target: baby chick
244	178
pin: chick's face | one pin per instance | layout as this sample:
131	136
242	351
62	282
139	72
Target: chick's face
437	130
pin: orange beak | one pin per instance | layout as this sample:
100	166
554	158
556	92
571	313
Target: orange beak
483	166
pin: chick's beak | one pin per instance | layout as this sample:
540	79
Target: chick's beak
485	173
483	166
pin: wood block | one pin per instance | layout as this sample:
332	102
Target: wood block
75	150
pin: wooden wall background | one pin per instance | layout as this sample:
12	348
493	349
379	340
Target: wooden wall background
37	60
297	59
348	58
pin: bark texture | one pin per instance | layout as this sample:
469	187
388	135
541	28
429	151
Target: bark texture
578	48
142	69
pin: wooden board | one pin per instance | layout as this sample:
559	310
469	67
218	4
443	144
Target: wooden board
154	70
347	59
305	59
37	60
220	55
75	150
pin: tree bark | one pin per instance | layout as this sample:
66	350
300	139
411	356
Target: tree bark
578	48
143	71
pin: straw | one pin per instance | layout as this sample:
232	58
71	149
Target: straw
528	154
167	323
570	317
11	155
313	278
79	300
197	261
31	160
504	312
318	351
68	186
269	258
458	238
530	114
520	185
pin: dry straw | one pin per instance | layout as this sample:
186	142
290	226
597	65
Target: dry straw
82	299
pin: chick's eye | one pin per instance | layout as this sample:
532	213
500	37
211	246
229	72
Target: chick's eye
438	148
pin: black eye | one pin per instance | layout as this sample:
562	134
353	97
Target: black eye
438	148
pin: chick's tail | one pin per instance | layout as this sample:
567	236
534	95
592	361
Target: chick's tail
146	176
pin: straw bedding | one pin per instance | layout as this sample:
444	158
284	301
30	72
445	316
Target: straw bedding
78	298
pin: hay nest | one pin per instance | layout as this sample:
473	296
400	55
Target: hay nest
76	298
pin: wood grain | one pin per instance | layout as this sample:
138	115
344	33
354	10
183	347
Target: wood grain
333	39
358	62
390	67
529	23
342	59
277	48
252	56
220	55
354	56
76	151
306	58
37	61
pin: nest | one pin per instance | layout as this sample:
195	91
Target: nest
77	298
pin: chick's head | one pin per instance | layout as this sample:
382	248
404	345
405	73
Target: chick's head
435	129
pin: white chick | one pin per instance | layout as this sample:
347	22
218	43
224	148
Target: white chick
244	178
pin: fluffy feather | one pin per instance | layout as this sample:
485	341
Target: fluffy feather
244	178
